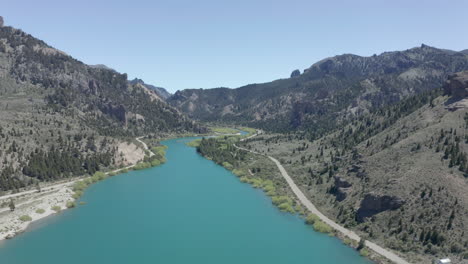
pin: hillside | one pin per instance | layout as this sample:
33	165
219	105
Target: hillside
160	91
334	89
62	118
398	175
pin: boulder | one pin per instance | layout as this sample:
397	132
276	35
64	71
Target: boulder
373	204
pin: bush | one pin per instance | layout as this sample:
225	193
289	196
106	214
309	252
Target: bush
142	165
238	172
79	186
311	219
77	195
25	218
40	211
364	252
286	207
155	162
227	165
70	204
56	208
277	200
321	227
195	143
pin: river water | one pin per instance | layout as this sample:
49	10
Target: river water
189	210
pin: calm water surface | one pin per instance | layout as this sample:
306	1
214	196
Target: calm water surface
189	210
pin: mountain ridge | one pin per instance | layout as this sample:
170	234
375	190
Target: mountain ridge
334	88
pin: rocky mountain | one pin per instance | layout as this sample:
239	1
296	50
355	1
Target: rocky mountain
161	92
398	174
326	94
102	66
62	118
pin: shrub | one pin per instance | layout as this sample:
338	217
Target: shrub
142	165
321	227
276	200
311	219
195	143
101	175
25	218
11	205
77	195
155	162
238	172
79	186
364	252
286	207
40	211
70	204
56	208
227	165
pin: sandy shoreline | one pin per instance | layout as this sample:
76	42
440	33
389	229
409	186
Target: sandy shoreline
27	202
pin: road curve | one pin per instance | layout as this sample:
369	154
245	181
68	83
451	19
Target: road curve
311	207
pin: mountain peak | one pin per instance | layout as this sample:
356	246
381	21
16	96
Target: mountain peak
160	91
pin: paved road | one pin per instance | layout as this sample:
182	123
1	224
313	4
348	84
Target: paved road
311	207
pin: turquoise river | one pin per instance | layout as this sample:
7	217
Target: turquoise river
189	210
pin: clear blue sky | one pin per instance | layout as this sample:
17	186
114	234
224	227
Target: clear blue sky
181	44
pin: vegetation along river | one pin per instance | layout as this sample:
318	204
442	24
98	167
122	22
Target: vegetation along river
189	210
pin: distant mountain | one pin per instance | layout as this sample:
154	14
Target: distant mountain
163	93
329	92
61	117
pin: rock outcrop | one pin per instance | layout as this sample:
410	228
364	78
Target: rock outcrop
457	85
1	21
295	73
342	187
373	204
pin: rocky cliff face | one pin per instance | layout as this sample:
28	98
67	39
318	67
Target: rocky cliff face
373	204
1	21
457	85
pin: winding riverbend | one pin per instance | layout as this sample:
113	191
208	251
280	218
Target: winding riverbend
188	210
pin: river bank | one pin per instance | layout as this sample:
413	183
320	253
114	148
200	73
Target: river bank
189	210
36	204
295	202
